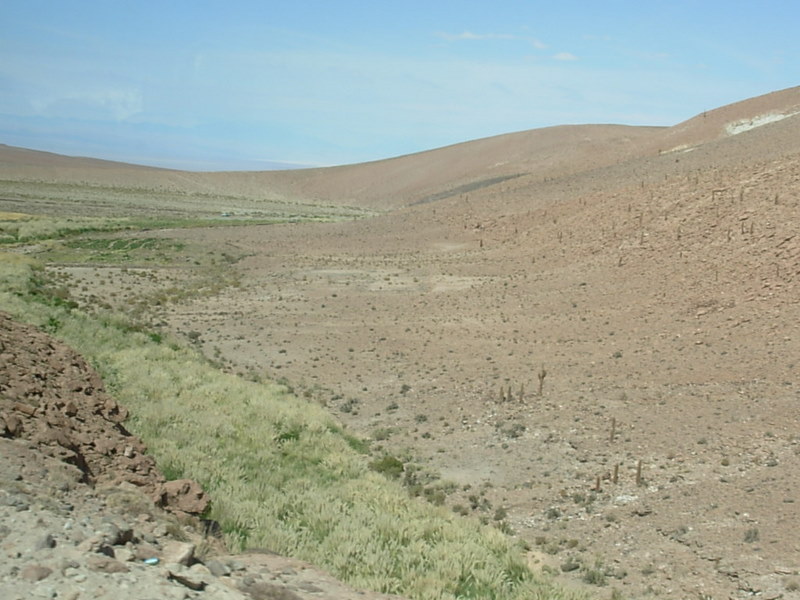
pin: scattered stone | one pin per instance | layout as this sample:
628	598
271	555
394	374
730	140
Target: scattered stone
145	551
45	542
91	544
11	425
218	568
193	581
124	555
184	495
103	564
236	565
268	591
200	569
180	553
35	572
16	501
116	535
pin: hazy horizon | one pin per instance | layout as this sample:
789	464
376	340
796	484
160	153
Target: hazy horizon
250	85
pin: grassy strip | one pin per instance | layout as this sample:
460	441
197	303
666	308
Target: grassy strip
25	229
282	472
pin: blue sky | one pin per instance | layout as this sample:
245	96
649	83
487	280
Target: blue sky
242	84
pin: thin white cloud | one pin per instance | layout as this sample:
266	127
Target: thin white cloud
117	103
598	38
565	56
471	36
468	35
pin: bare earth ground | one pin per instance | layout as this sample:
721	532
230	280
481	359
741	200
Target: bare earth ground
654	300
653	306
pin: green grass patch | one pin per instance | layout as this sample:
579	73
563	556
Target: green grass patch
60	208
117	250
37	229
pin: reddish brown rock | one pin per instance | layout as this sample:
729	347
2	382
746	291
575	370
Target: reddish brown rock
184	495
35	572
104	564
12	425
52	397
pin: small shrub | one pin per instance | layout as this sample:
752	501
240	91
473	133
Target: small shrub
570	565
349	406
53	325
357	444
552	513
594	577
389	466
382	434
435	496
504	527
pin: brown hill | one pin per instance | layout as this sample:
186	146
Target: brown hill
549	152
540	154
731	120
383	184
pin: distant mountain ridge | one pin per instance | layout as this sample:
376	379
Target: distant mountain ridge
405	180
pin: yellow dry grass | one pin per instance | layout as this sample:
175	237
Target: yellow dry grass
14	216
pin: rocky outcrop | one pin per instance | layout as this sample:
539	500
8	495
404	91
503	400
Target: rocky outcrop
50	396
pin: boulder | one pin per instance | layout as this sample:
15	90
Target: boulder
182	495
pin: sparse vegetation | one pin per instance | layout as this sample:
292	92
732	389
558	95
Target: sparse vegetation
751	535
282	472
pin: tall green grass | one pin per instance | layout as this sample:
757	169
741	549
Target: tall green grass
282	473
